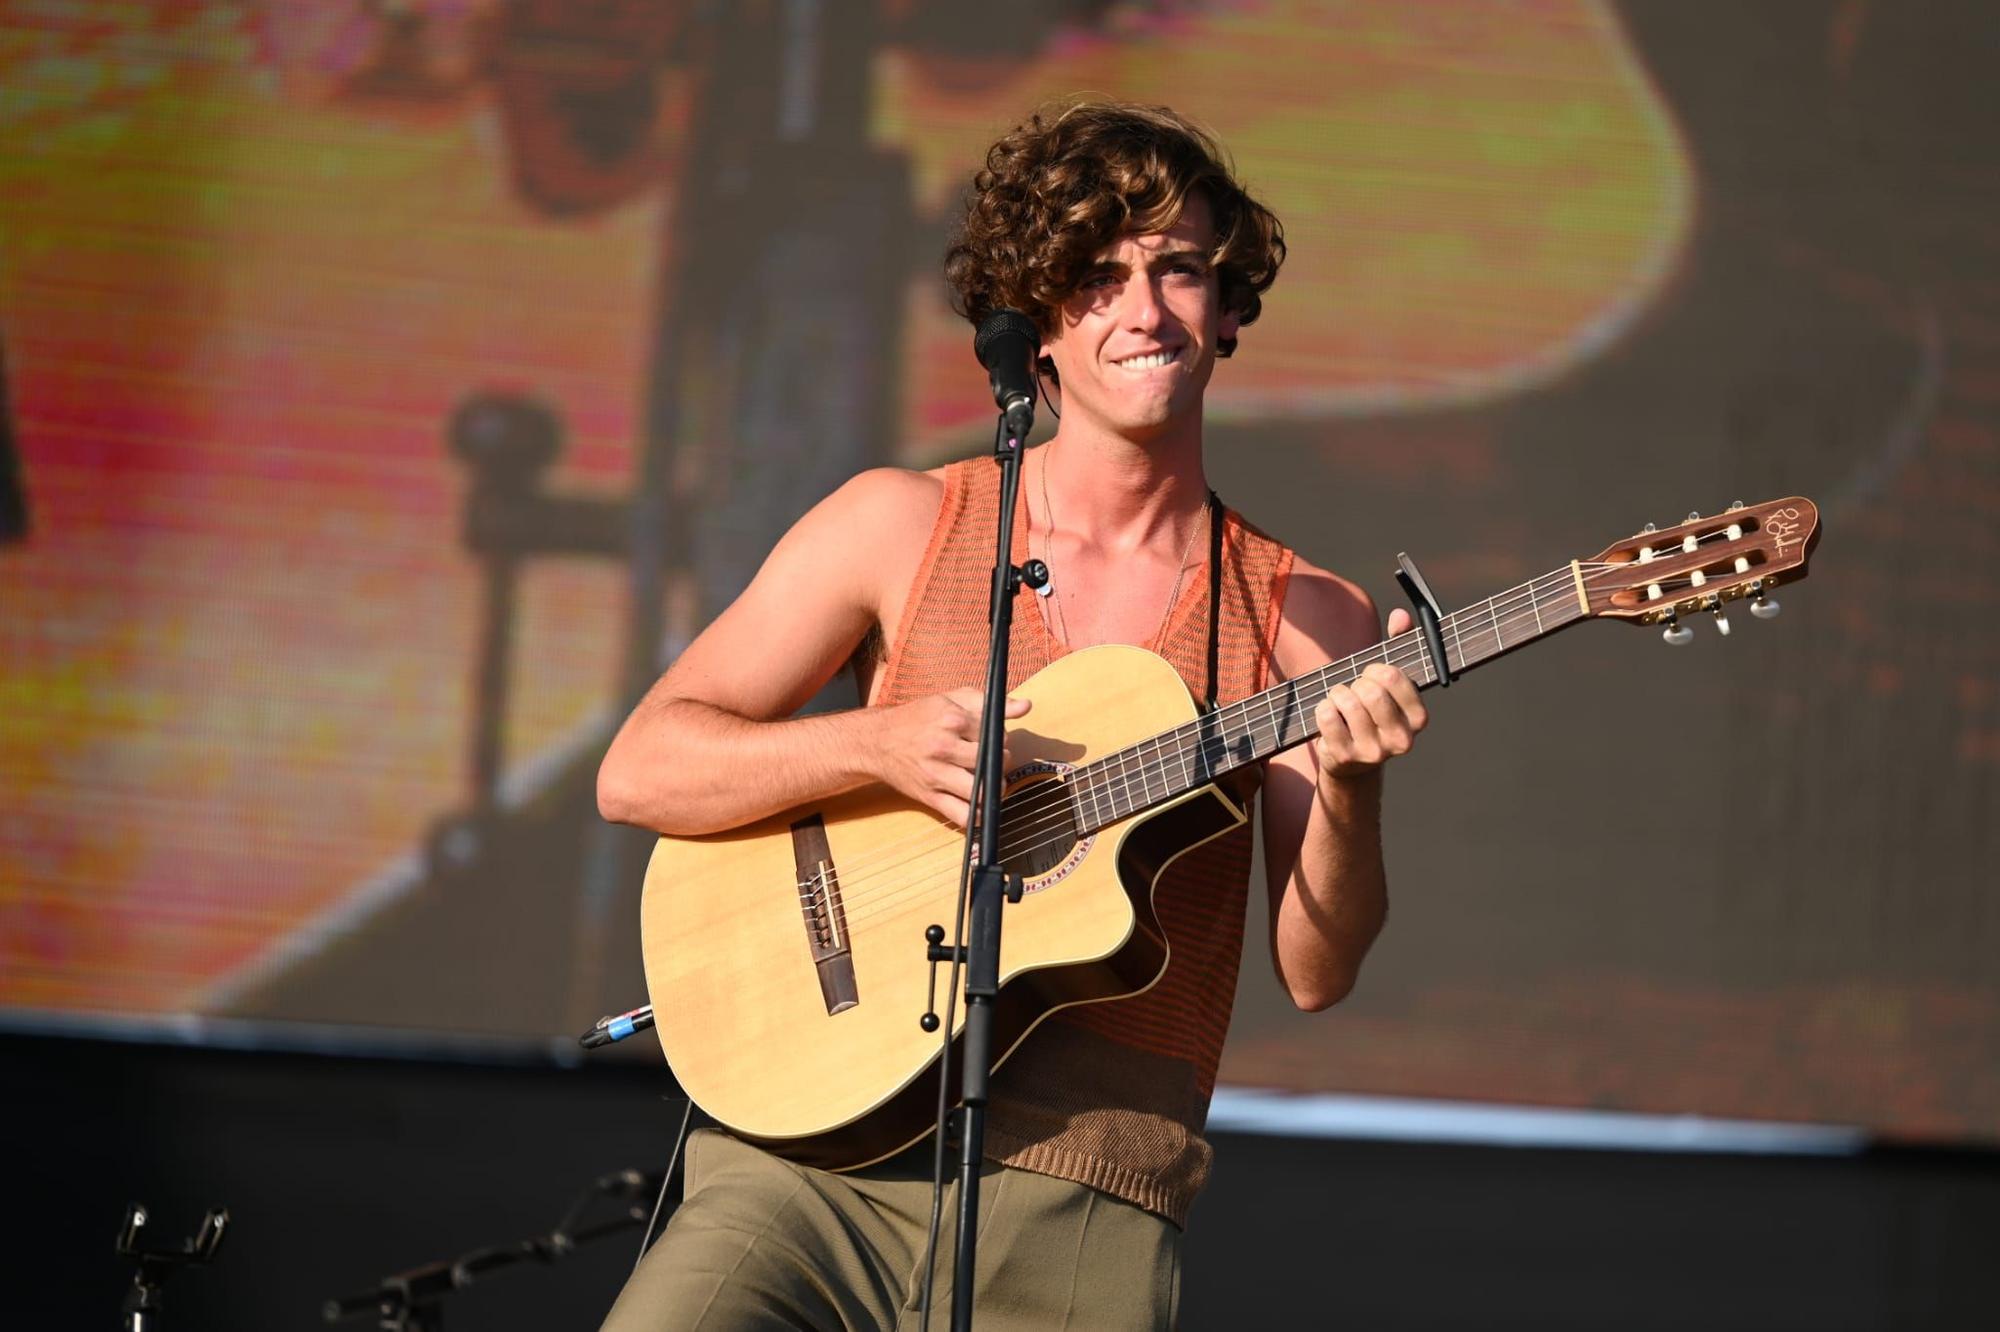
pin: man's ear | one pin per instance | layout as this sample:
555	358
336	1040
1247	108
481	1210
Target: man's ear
1225	332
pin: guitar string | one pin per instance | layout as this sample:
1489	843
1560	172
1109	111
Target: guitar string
874	897
1414	652
1055	802
1054	810
865	895
1508	601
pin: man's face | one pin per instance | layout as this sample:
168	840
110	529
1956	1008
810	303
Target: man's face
1134	346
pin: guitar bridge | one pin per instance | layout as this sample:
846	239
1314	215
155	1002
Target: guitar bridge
825	918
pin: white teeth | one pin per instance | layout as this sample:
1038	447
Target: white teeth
1150	361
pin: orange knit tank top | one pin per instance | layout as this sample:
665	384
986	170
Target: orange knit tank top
1114	1095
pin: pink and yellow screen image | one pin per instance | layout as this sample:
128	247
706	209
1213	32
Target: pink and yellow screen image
250	263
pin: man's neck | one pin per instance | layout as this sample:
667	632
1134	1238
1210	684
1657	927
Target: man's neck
1121	495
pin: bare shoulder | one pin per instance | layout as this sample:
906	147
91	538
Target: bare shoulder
892	492
865	534
1325	617
819	592
883	503
883	518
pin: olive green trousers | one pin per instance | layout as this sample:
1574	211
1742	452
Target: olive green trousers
761	1242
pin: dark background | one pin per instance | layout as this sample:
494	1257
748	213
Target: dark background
341	1171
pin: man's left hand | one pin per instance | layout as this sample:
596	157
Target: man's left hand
1365	724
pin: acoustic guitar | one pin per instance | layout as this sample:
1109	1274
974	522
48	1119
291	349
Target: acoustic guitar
787	958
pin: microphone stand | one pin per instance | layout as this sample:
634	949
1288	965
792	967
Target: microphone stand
413	1301
980	950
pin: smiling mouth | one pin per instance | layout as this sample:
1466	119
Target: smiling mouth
1149	361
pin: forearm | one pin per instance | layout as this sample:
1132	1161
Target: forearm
683	767
1336	898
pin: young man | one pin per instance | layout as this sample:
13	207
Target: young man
1121	233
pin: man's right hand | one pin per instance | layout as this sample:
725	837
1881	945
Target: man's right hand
928	746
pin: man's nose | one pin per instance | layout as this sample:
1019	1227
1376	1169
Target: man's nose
1143	310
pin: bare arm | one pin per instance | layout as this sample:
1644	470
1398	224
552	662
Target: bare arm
1323	800
713	744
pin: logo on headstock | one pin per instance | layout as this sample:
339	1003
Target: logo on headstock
1784	525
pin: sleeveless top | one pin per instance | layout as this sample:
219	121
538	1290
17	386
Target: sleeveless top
1113	1095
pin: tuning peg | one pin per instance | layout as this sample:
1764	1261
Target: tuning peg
1734	505
1712	603
1692	516
1649	528
1677	634
1762	606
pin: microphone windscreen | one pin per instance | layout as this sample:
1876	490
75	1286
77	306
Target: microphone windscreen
1000	324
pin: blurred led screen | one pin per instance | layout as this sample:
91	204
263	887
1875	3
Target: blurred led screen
387	388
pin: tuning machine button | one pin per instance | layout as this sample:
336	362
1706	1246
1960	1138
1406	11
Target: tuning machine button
1712	603
1676	634
1763	607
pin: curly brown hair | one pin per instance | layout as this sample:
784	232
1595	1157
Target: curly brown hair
1059	188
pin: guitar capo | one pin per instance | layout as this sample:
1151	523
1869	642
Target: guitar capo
1419	593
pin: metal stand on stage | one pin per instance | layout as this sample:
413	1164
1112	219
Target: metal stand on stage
413	1301
145	1300
1006	345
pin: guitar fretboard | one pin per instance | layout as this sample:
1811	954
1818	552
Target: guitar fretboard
1174	762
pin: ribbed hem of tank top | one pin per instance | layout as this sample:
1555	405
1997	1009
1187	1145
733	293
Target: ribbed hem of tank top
1121	1182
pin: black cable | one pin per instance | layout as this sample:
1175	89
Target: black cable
666	1182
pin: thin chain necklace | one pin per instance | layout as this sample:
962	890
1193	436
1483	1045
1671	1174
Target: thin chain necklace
1054	597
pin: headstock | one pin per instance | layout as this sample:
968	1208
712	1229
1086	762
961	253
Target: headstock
1658	575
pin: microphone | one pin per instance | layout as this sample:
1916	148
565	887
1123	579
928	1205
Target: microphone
1006	344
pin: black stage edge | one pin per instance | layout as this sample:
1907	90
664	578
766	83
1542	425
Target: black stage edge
338	1171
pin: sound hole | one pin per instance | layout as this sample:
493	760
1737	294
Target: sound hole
1037	824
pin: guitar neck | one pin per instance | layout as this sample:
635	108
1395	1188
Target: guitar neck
1174	762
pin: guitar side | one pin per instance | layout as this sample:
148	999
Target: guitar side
835	1075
